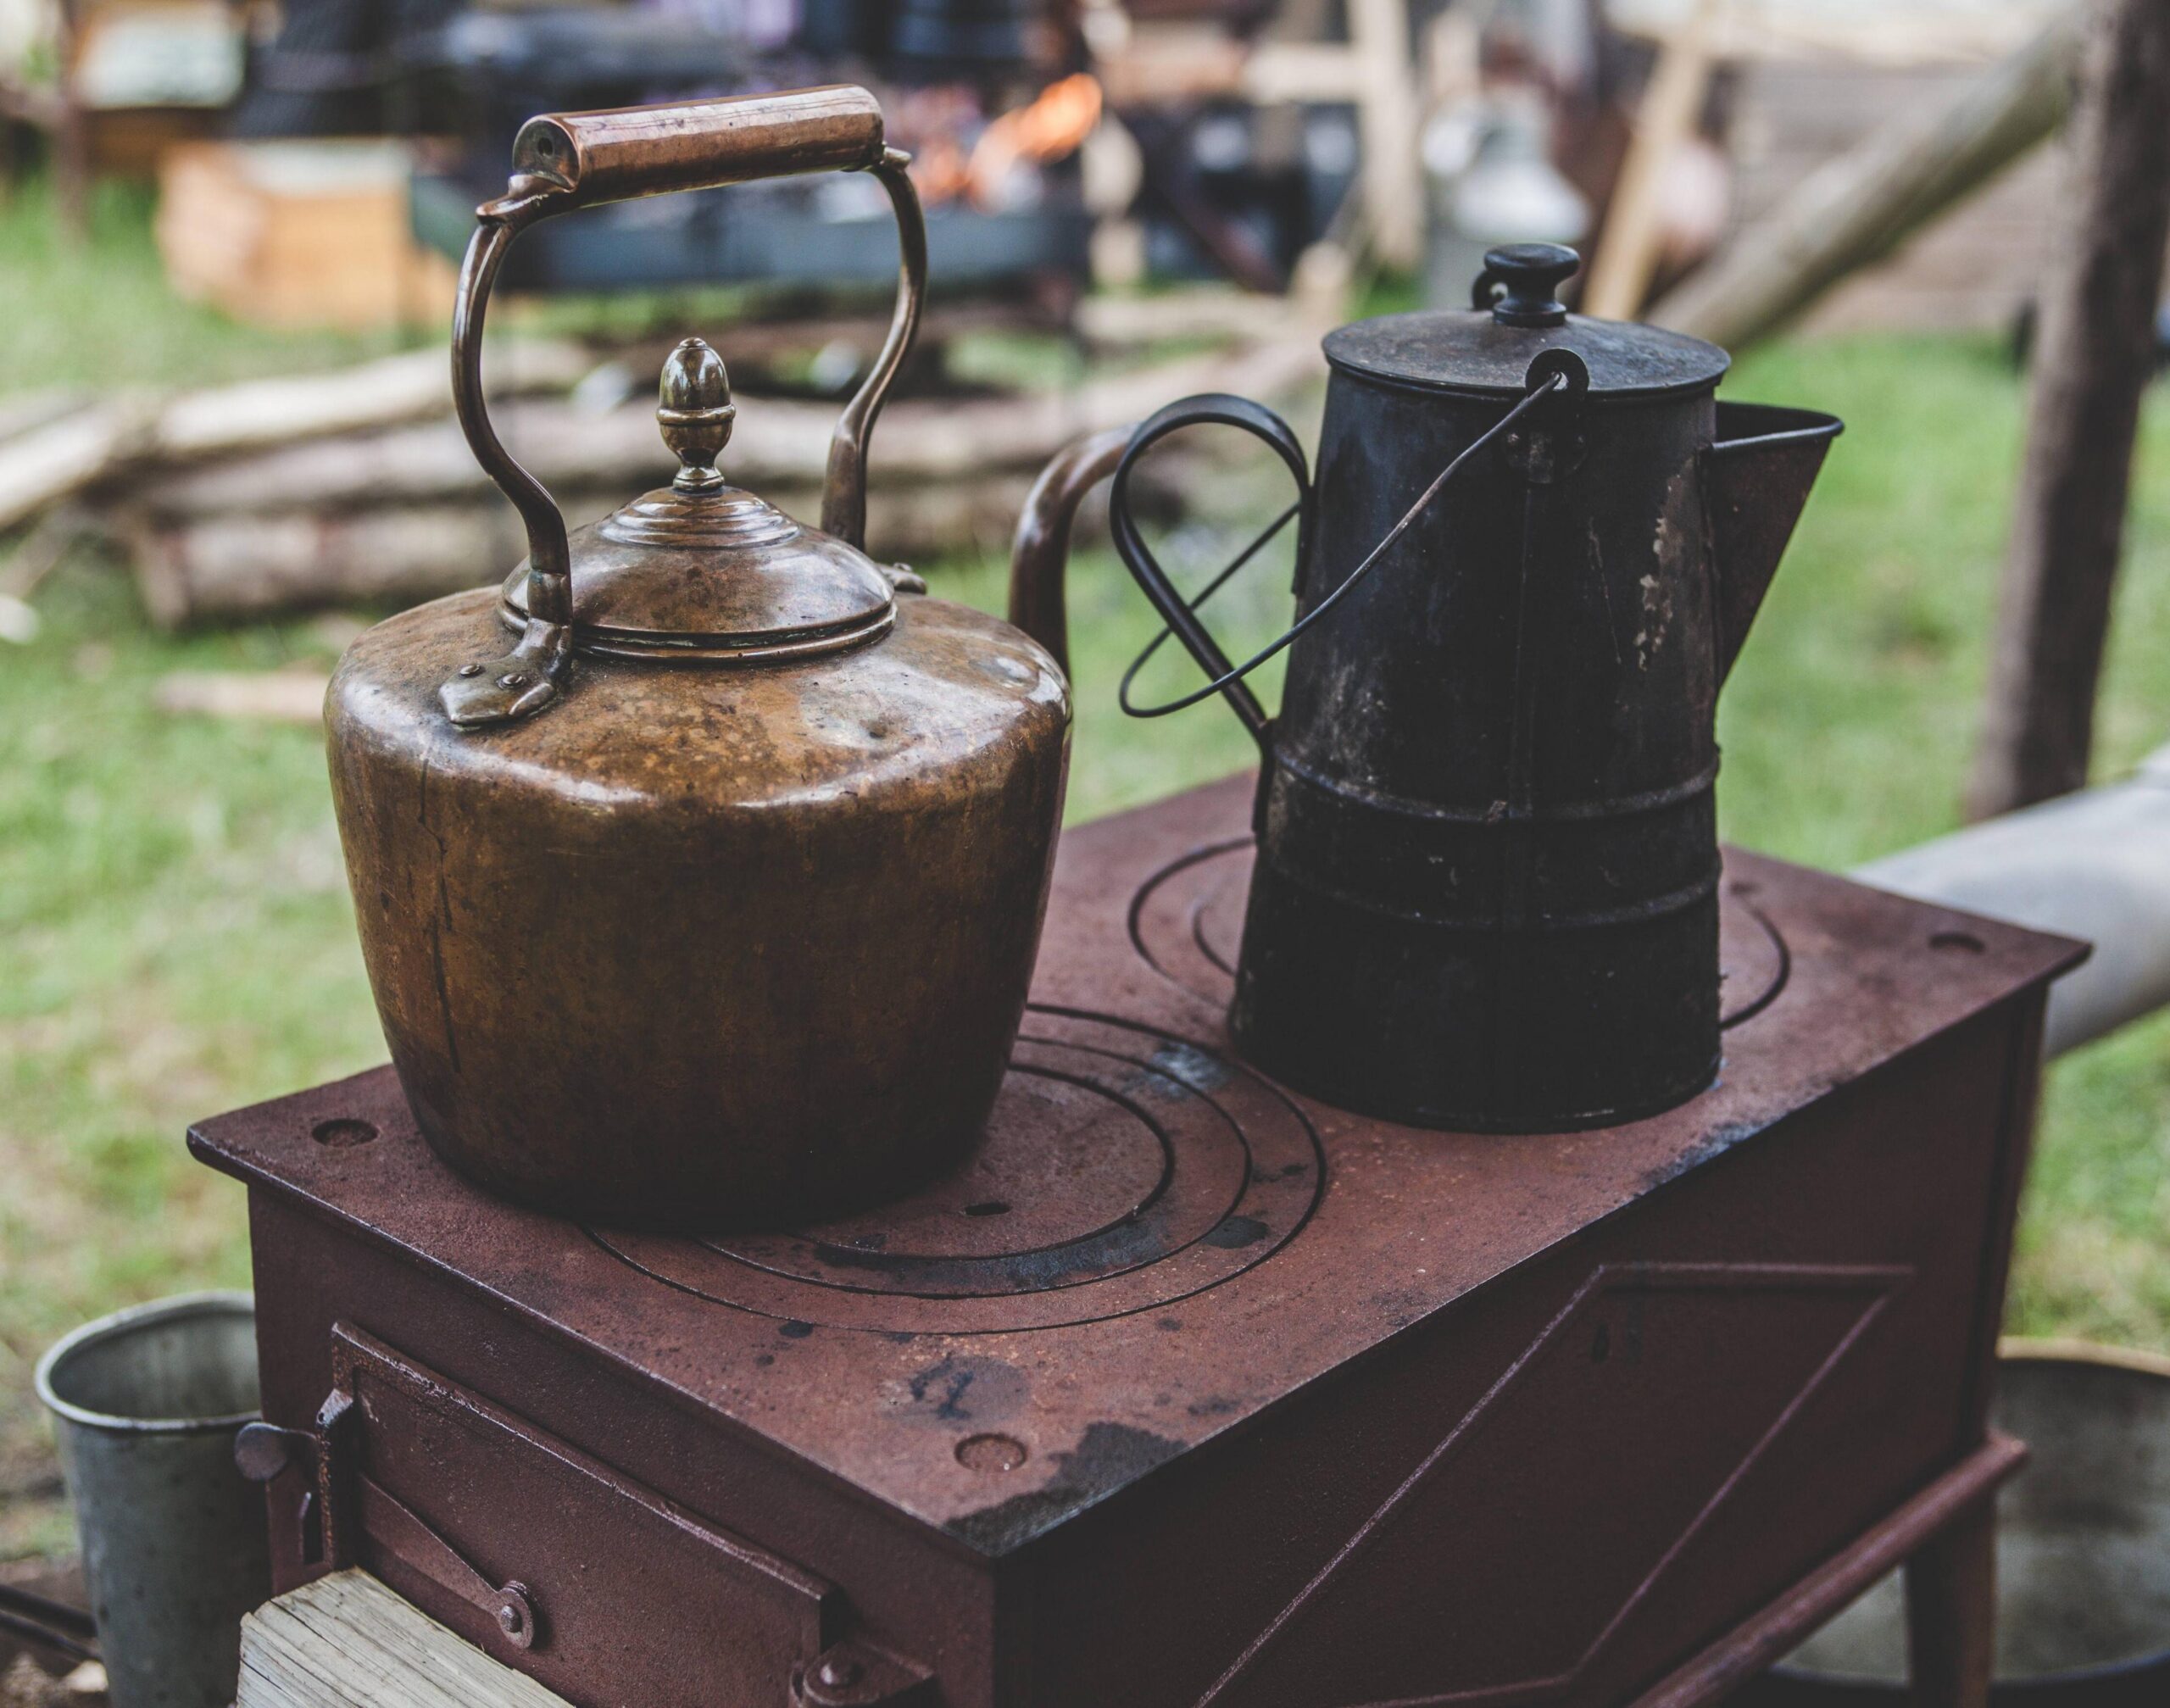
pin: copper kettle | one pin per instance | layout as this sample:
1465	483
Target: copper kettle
699	869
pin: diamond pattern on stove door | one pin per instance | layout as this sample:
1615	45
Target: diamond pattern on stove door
1506	1562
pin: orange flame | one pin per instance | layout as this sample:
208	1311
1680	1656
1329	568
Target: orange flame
1054	126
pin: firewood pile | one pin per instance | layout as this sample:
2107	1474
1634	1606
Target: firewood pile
356	487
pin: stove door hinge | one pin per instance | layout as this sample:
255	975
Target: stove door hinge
858	1675
264	1453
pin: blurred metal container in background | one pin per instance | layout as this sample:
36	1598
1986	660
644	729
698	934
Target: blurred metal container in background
2083	1552
146	1404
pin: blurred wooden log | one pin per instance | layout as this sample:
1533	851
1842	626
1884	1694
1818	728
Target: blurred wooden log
397	388
237	565
1862	205
24	412
282	697
2093	360
1203	311
778	441
61	459
121	436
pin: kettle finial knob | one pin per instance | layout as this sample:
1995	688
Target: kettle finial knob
1527	276
693	408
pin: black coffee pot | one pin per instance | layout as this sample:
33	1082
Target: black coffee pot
1485	893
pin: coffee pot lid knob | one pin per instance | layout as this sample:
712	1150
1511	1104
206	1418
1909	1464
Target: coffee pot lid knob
1528	277
694	410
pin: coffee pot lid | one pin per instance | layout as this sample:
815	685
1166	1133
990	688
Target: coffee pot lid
703	570
1487	348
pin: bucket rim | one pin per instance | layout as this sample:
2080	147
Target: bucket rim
2015	1348
219	1302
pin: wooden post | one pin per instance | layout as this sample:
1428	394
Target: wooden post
2093	356
1386	115
71	158
1951	1606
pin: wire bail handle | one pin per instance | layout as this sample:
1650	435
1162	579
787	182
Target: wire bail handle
1554	373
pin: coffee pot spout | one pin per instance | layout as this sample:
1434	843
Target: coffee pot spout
1757	477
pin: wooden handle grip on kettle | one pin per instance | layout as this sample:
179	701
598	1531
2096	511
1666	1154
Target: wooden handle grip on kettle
594	158
566	161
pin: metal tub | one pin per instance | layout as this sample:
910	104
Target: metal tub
2083	1553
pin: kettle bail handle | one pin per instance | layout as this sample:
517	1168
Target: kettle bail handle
1547	378
566	161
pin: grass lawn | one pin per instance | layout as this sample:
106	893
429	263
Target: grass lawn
174	932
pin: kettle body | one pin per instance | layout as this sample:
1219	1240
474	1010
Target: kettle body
703	948
1485	895
700	868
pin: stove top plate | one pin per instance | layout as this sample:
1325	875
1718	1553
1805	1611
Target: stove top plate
1183	1245
1124	1169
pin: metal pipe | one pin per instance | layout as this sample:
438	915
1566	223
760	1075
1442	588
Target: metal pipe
2094	865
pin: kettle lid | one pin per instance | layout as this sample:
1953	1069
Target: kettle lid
1486	349
702	571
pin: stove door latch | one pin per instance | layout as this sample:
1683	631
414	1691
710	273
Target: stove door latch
354	1501
858	1675
391	1526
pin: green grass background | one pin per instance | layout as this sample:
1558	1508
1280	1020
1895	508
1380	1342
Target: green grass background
174	932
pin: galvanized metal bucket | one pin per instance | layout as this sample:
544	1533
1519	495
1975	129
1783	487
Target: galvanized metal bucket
2083	1553
145	1404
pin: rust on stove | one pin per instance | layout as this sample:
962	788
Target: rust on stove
1186	1389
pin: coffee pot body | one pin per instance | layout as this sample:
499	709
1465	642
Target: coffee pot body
1486	889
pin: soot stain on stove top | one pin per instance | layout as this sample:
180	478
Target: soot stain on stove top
1713	1143
1107	1457
1187	1064
959	1387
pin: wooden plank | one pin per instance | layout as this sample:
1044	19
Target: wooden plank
1859	207
299	233
346	1641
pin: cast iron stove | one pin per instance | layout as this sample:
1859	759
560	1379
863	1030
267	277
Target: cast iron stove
1188	1390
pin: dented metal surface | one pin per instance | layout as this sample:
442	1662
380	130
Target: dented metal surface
1183	1383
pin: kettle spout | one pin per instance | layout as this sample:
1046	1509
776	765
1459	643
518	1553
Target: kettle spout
1756	477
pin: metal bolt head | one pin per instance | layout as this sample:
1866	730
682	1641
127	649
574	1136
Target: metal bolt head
838	1673
471	669
513	679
